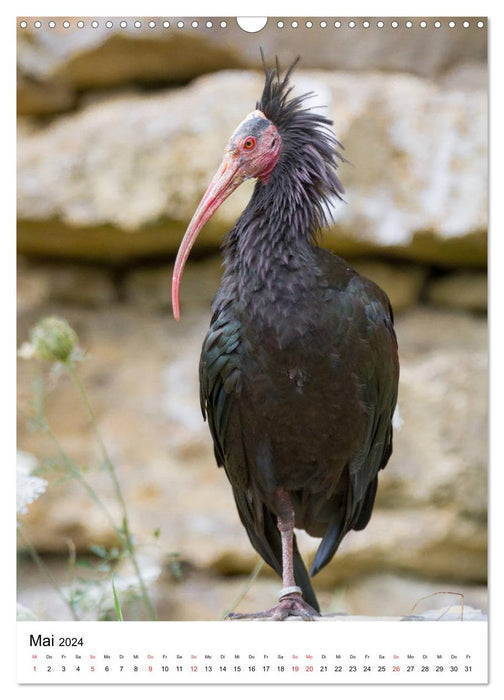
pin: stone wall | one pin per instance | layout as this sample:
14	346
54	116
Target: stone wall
119	134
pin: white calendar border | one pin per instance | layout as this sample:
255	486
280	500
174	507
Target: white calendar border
295	7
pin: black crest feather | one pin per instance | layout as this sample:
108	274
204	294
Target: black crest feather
310	151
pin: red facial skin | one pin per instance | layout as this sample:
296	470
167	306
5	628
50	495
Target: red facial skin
246	156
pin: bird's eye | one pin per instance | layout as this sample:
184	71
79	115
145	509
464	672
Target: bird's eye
249	143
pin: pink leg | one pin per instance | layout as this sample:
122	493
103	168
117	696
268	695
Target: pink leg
291	601
286	526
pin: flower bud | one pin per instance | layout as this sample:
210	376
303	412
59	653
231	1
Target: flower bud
53	339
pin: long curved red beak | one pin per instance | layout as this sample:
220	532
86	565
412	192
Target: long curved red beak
224	182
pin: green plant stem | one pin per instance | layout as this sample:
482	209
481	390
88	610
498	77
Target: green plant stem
76	474
43	568
117	604
127	537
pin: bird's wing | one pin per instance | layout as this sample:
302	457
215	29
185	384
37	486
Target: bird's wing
377	372
220	384
379	377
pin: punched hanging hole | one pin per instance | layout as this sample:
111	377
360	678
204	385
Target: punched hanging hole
252	24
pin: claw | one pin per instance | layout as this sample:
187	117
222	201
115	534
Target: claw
291	605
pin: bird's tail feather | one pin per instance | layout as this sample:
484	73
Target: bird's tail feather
303	580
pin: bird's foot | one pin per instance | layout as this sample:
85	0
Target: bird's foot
289	605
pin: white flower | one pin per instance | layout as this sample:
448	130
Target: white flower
26	351
29	487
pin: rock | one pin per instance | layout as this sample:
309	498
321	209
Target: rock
69	529
121	178
431	542
85	57
466	73
391	594
454	614
84	285
201	595
151	286
460	290
441	452
91	57
38	98
32	287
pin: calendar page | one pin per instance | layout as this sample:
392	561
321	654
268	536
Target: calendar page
252	350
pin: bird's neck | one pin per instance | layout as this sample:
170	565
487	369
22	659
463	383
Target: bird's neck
271	246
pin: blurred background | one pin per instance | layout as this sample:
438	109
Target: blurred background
120	129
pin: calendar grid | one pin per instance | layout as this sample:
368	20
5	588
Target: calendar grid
208	652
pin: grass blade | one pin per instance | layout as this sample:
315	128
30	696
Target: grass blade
117	604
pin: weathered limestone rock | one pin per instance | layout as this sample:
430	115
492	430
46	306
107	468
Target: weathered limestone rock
441	451
455	613
84	285
39	98
121	178
151	286
87	56
460	290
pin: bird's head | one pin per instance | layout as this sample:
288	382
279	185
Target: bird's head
252	152
279	127
253	149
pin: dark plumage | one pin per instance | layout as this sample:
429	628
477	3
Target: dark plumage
299	368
